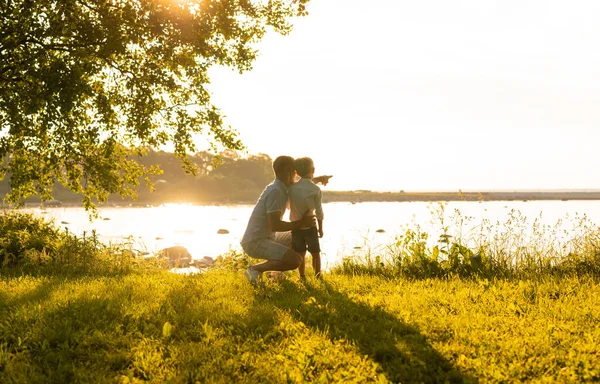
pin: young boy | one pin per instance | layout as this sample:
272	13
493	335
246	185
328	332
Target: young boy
305	199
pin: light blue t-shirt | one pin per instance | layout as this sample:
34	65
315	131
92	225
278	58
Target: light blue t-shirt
272	199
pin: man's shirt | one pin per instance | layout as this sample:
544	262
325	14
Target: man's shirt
272	199
305	198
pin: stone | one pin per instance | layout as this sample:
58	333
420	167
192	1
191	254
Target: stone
222	231
380	231
177	256
204	262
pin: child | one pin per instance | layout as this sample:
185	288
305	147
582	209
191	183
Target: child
305	199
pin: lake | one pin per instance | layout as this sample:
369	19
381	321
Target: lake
347	226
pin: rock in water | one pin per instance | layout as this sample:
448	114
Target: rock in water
204	262
222	231
178	256
380	231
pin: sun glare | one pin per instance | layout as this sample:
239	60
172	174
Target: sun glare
192	6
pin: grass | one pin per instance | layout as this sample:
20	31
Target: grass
502	306
162	327
517	248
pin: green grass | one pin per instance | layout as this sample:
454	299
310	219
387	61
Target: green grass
510	304
518	248
161	327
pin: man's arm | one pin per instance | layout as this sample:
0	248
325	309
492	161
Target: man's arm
320	228
277	225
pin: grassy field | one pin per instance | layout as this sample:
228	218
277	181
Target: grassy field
508	305
162	327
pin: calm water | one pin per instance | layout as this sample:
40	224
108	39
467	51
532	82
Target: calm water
346	225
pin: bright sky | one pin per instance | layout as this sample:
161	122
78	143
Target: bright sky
429	94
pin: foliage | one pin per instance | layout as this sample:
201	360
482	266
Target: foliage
235	179
239	179
162	327
513	249
24	234
30	242
234	261
87	86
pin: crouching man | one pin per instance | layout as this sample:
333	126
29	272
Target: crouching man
267	236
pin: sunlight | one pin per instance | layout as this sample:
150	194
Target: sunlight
192	6
178	215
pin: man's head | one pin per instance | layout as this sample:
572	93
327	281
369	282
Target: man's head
284	169
305	167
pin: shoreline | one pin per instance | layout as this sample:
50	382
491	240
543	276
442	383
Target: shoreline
366	196
346	196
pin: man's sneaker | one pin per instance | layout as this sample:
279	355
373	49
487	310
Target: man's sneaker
252	275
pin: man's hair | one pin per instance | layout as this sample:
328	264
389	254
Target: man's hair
283	163
304	166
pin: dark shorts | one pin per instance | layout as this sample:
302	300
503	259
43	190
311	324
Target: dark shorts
306	238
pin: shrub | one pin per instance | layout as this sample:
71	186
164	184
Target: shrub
28	240
23	236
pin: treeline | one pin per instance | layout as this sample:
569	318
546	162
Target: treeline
235	179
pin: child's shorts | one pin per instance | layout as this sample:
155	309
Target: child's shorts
303	239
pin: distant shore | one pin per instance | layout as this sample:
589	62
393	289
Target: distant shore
349	196
368	196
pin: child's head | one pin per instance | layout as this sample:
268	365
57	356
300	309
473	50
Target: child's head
305	167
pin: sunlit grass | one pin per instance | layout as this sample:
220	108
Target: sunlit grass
216	327
90	316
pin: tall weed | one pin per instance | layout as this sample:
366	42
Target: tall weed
516	247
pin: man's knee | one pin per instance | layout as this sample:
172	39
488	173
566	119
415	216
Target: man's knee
292	258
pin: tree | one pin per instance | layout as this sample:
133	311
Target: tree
86	86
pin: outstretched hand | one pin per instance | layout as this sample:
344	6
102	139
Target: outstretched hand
322	179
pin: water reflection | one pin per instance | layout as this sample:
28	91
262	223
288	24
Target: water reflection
348	227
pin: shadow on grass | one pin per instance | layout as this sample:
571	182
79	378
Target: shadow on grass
401	351
216	320
79	337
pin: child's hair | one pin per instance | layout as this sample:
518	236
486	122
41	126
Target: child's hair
304	166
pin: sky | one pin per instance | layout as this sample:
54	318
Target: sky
418	95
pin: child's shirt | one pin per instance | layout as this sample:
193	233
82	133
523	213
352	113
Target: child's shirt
305	198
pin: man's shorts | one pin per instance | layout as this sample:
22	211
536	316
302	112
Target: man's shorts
269	249
305	238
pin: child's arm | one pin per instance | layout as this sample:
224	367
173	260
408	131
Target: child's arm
322	179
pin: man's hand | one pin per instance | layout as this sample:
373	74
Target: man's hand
308	221
322	179
321	233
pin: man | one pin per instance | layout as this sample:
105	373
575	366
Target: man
259	240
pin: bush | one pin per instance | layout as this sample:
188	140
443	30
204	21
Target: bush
24	235
27	240
234	261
